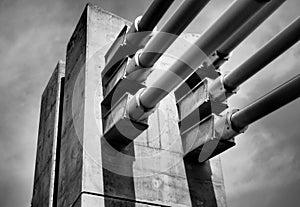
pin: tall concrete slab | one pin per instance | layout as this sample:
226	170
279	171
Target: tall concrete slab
80	170
48	141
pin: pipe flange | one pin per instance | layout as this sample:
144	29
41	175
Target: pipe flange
134	63
216	90
137	72
224	129
137	22
137	111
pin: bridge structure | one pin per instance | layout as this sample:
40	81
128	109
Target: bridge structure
138	116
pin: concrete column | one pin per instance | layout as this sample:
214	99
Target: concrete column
80	168
45	185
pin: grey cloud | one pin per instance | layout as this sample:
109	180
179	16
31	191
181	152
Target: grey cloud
32	40
261	164
265	197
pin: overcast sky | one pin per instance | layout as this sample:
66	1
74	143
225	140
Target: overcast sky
262	170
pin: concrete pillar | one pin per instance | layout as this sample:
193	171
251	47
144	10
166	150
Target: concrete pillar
45	181
80	171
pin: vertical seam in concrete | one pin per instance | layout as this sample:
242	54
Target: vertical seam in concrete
54	152
159	130
58	142
147	138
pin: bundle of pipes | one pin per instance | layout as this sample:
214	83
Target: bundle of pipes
269	52
223	52
162	41
155	48
229	22
238	121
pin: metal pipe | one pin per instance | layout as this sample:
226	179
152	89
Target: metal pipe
186	13
264	56
152	16
182	17
239	36
272	101
232	19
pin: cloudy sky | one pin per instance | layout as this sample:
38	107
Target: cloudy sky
262	170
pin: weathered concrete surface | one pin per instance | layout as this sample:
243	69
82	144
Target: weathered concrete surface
81	163
161	174
206	184
47	140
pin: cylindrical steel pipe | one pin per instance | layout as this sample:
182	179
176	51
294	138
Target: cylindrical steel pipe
158	44
183	16
239	36
152	16
272	101
270	51
154	13
232	19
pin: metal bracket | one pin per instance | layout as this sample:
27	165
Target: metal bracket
117	86
119	129
196	105
136	71
126	45
200	142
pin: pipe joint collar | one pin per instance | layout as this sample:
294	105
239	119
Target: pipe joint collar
224	129
217	91
137	111
137	22
135	71
134	63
